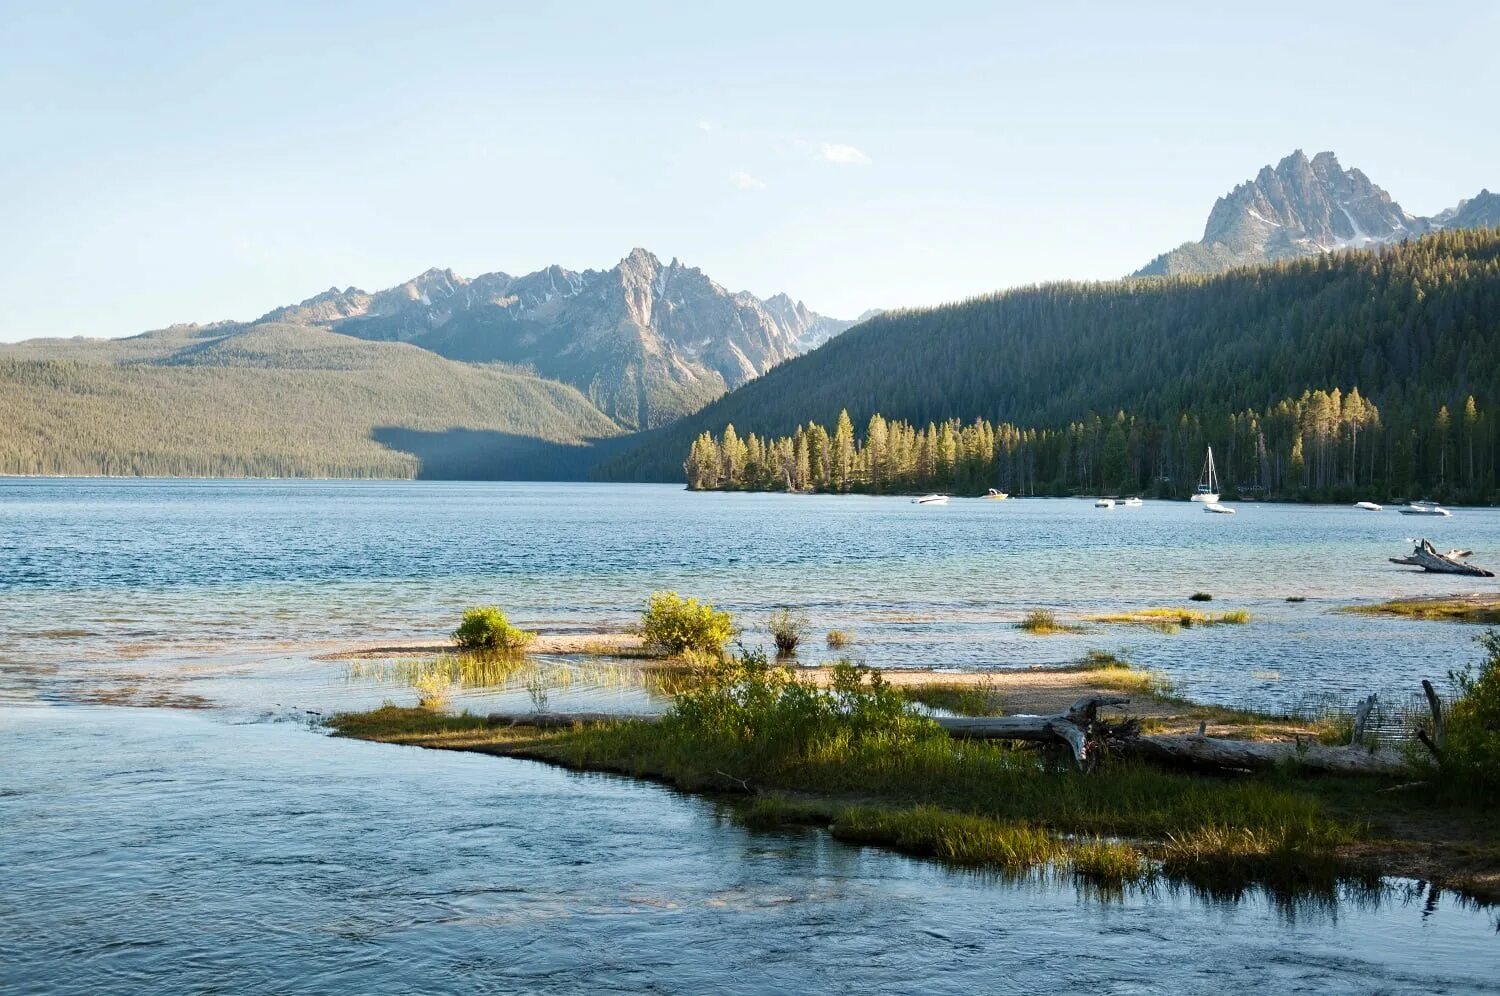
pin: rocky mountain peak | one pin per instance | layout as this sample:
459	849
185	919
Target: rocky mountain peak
646	341
1302	207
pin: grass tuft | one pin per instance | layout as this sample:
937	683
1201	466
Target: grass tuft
786	628
1172	620
1043	622
837	639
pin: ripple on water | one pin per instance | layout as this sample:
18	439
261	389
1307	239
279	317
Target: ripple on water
268	857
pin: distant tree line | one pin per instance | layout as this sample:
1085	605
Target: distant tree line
1321	445
1189	360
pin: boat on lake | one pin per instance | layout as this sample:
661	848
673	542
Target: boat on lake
930	500
1208	482
1133	502
1217	509
994	495
1425	507
1425	556
1369	506
1105	503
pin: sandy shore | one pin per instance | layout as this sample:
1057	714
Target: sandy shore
1035	691
601	644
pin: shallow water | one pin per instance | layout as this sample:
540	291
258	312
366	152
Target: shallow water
233	847
157	851
120	583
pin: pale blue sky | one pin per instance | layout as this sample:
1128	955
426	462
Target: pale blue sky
164	162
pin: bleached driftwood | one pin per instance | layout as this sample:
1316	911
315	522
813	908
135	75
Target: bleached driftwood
1077	726
1074	727
1425	556
1081	731
1253	755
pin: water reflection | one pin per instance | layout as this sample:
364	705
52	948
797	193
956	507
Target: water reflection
161	851
500	681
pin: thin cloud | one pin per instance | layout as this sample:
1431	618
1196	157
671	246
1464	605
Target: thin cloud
705	125
745	181
843	155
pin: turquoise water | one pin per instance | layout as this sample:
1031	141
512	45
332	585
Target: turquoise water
174	583
233	846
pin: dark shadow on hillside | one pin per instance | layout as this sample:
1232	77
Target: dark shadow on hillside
485	455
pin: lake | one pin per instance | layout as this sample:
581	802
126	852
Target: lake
232	845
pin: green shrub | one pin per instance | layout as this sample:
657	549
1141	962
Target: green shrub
672	625
1471	750
760	719
786	629
486	628
1200	596
837	639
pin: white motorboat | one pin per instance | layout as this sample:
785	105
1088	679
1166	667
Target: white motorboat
994	495
1369	506
1216	508
1208	483
930	500
1132	502
1425	508
1105	503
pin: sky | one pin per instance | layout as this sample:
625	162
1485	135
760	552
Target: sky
197	161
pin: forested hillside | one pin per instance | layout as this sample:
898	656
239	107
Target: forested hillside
277	401
1167	365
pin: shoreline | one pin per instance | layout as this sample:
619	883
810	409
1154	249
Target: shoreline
1034	690
1411	843
1373	824
1391	503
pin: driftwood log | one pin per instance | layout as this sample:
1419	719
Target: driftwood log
1081	731
1426	556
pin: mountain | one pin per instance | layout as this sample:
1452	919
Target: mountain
1481	211
1413	327
280	400
1306	207
646	342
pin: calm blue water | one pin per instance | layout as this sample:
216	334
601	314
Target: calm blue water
233	847
175	582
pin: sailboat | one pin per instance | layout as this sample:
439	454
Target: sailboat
1208	484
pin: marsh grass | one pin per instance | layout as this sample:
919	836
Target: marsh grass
607	648
437	679
1200	596
1173	620
1093	660
1044	622
1152	683
837	639
983	699
1484	610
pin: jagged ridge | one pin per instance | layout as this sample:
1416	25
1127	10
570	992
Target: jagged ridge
647	342
1305	207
